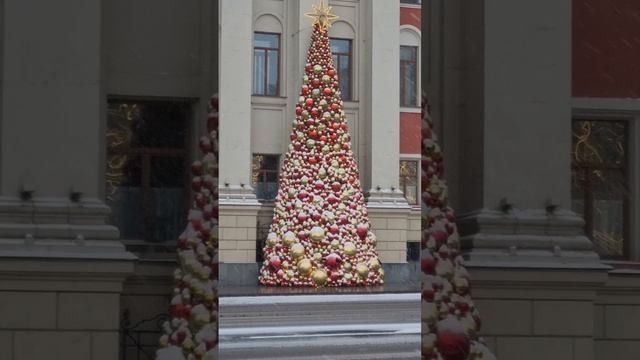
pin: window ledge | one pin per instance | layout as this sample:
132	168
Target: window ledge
623	264
268	96
412	110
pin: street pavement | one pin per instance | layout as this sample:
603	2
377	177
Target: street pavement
327	326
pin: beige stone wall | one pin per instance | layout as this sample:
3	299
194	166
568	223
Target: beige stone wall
60	309
414	225
617	317
238	234
390	227
559	314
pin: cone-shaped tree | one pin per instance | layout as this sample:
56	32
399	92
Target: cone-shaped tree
192	330
320	233
450	320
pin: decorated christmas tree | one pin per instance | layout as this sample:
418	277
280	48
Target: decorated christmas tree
192	330
320	234
450	320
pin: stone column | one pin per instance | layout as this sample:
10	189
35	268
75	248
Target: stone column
515	136
59	260
387	206
238	203
52	135
236	59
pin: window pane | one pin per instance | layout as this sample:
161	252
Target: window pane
411	1
408	53
408	85
135	124
266	40
258	72
124	195
167	172
127	212
599	182
265	176
344	74
270	162
341	50
145	172
600	142
272	79
608	211
168	214
409	180
341	46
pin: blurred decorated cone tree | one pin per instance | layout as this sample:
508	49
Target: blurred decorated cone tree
450	320
320	234
191	333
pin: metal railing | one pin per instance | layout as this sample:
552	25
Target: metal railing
139	341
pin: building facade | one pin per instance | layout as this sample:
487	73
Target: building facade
376	49
537	104
102	105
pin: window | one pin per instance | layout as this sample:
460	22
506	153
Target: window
600	183
413	251
342	53
416	2
409	180
266	64
265	176
146	177
409	76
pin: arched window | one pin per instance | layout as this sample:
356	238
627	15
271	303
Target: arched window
267	45
409	67
342	35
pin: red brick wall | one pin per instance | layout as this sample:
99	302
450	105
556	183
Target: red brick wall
410	16
410	133
410	124
606	48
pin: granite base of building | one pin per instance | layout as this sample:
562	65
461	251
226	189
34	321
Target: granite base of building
61	308
246	274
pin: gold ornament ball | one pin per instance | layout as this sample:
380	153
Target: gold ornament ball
374	264
272	239
297	250
316	233
347	266
304	266
289	238
317	256
319	277
350	248
362	270
335	244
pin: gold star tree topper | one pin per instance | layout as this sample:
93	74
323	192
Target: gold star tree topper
322	15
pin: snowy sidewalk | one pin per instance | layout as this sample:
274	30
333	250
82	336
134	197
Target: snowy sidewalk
331	326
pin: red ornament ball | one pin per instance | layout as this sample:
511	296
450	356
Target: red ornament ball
453	342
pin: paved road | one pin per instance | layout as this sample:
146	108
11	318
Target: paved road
341	327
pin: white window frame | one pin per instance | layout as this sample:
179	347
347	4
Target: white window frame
416	42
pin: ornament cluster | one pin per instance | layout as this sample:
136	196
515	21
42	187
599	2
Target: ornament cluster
450	320
192	331
320	234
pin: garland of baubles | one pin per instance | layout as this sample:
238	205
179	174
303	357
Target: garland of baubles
191	333
450	320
